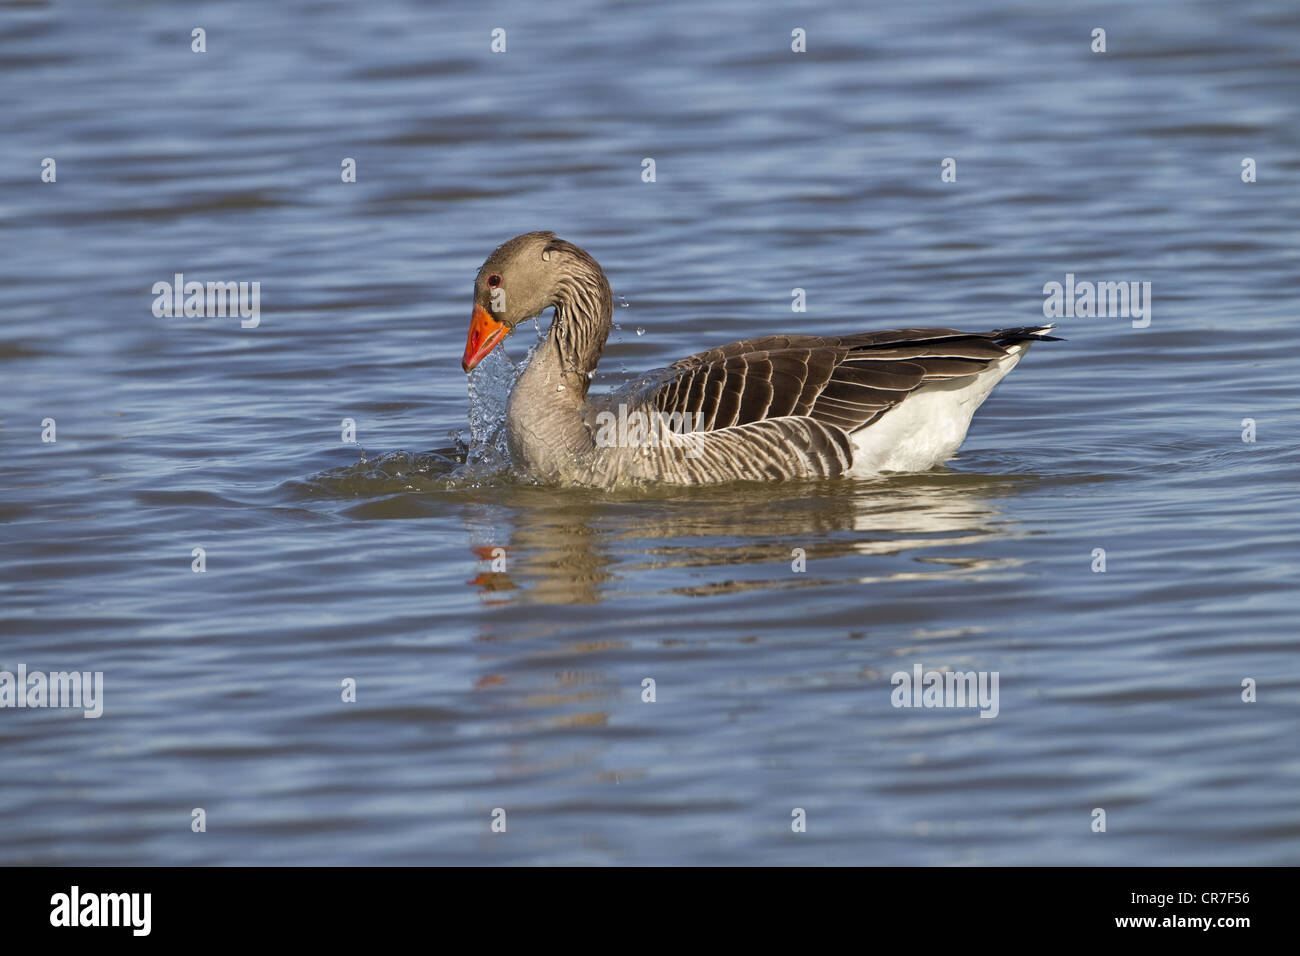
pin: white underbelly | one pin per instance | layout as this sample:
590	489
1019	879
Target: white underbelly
927	427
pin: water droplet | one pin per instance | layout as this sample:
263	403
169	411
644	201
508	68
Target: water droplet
640	331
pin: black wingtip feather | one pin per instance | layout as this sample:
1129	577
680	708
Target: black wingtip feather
1024	333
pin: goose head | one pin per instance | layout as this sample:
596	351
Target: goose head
517	282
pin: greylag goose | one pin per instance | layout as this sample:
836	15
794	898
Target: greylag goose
774	407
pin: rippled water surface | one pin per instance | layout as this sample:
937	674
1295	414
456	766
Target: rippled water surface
520	687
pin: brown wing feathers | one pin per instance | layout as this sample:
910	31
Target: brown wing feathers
846	382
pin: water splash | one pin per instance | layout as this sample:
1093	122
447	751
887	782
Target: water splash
388	474
476	457
490	385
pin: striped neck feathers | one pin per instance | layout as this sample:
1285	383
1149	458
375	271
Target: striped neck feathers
584	314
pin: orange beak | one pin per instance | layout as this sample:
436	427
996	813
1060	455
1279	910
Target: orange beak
484	334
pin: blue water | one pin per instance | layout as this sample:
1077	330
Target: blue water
521	689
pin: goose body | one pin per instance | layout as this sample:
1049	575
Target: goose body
768	408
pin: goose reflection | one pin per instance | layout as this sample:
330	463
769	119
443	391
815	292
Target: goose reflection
553	546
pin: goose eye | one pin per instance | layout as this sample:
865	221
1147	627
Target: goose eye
494	281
